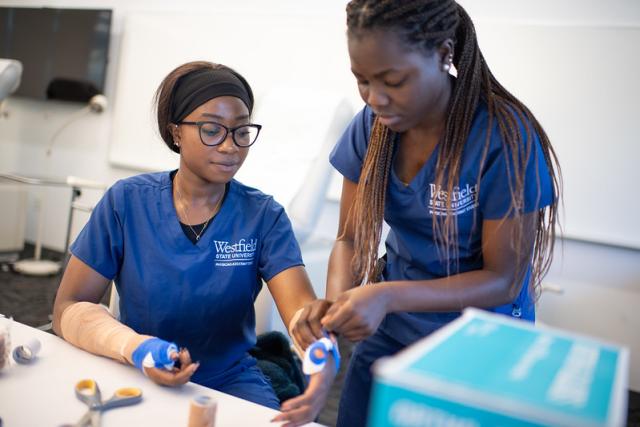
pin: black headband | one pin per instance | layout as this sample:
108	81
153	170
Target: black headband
194	89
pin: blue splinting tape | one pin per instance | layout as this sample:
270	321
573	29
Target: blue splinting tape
315	356
154	353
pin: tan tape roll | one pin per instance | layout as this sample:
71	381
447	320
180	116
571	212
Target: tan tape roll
202	412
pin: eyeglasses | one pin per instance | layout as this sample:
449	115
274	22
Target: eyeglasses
212	133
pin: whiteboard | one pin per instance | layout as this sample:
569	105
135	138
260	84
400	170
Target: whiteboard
297	65
582	84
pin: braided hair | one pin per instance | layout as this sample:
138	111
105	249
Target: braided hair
425	24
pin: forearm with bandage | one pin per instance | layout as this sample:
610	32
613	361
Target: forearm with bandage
92	328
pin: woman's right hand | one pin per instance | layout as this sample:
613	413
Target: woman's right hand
163	363
305	408
306	328
178	375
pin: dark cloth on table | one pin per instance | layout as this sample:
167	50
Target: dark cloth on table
279	364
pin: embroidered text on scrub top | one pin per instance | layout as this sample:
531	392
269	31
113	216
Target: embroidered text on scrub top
463	199
235	254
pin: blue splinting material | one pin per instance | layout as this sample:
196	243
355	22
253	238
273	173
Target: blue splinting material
315	357
154	353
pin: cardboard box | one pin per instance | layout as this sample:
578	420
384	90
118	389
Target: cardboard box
486	369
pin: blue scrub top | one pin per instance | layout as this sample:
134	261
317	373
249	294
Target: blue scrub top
199	296
410	245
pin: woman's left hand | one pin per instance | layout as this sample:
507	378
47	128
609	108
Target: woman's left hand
306	328
305	408
357	313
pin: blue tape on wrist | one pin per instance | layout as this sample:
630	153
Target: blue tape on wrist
334	350
336	355
315	357
155	353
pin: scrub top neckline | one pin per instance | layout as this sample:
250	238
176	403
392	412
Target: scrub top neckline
177	234
417	181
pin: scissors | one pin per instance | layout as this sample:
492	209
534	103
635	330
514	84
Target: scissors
89	393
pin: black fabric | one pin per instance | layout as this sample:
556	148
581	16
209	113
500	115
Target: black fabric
198	87
71	90
278	363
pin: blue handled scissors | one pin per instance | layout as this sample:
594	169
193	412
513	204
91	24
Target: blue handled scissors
89	393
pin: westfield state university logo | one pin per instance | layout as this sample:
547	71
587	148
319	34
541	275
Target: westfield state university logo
463	199
234	254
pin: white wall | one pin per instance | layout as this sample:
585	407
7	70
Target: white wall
578	12
83	149
556	64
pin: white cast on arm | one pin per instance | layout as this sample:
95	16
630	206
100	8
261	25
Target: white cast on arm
92	328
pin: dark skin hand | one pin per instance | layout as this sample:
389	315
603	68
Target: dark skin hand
304	408
357	313
308	327
180	374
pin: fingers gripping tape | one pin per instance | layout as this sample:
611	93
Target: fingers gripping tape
315	357
154	353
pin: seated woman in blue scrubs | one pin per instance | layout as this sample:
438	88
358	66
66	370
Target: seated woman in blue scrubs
460	170
188	250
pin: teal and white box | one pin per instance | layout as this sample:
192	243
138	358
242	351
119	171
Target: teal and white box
485	369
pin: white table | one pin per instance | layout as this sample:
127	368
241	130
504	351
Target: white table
42	393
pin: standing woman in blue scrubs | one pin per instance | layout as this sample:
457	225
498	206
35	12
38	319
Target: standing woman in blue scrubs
188	250
460	170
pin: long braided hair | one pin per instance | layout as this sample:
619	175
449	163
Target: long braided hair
425	24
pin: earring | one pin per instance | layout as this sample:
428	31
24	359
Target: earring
177	144
447	65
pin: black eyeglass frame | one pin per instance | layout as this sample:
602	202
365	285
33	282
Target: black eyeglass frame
226	132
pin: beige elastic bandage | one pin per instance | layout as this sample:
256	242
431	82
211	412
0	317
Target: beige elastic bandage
92	328
296	345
